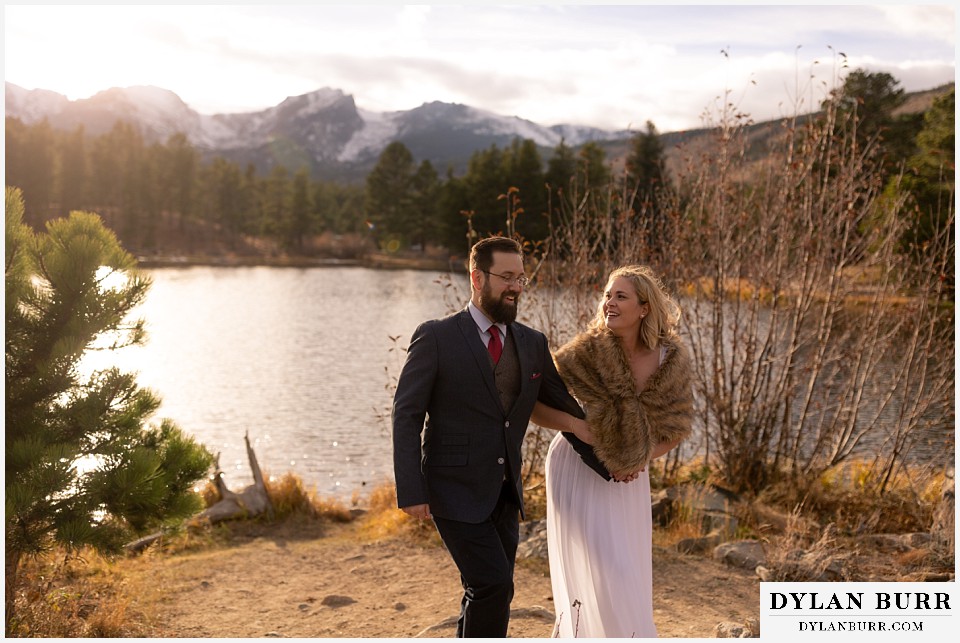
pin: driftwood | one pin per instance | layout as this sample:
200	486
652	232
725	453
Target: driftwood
252	501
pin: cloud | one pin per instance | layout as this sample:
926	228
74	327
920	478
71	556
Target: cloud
610	66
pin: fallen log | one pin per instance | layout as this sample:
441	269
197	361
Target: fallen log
251	501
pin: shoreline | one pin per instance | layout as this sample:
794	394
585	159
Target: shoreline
376	261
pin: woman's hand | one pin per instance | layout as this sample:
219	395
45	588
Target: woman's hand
626	476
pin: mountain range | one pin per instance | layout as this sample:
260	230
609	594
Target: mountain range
323	130
326	132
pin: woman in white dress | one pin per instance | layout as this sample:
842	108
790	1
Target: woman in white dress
632	376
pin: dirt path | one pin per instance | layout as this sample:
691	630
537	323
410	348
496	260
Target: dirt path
292	582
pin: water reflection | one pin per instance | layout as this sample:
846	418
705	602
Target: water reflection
295	357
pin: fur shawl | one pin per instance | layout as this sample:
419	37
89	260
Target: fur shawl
627	425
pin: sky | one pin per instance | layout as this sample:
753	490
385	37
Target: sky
612	66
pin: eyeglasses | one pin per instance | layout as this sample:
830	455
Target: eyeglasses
521	281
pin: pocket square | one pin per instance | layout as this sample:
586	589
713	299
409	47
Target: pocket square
535	376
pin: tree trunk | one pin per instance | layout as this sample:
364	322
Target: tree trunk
13	557
252	501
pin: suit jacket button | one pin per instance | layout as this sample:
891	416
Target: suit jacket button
499	460
506	424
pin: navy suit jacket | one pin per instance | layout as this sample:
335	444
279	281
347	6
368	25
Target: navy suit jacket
453	442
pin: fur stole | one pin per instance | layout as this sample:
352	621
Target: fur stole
627	425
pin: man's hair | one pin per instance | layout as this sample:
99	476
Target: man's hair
481	255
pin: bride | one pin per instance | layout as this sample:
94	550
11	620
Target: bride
632	375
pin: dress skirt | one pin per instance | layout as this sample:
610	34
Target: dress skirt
599	537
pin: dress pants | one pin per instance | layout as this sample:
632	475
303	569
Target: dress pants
485	554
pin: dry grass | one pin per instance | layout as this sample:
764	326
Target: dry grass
850	497
290	498
73	596
384	520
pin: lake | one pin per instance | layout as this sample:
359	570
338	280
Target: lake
298	358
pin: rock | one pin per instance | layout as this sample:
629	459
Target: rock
713	506
699	545
399	607
533	540
449	623
719	521
337	601
530	528
273	635
534	547
740	553
766	575
534	611
886	542
728	630
704	497
918	539
662	507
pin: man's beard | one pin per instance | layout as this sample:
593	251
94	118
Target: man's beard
500	311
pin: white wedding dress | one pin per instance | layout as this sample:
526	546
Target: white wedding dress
600	544
599	538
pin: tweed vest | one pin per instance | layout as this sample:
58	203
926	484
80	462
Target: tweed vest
507	372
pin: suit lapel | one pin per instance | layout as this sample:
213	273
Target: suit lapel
472	337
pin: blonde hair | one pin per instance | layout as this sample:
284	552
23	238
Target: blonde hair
664	316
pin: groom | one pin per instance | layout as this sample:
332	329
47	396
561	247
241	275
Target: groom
469	385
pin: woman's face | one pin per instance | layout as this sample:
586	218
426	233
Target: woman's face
622	310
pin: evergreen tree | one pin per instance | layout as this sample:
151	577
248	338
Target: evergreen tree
221	188
592	170
524	171
646	182
81	466
931	173
486	180
276	202
874	99
645	165
390	195
178	175
301	212
452	202
37	171
561	168
73	173
426	224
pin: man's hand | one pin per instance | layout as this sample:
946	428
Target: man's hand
420	512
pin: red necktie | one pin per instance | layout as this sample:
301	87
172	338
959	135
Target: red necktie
495	346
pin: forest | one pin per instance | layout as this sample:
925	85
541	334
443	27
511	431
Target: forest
162	199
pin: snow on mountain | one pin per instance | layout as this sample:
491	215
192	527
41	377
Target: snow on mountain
325	125
159	111
378	130
33	105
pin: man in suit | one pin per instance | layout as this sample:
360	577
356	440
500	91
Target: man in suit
463	401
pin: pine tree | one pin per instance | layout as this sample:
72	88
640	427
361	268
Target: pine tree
390	194
646	182
82	468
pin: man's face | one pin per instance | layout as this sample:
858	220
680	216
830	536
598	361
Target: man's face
500	293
